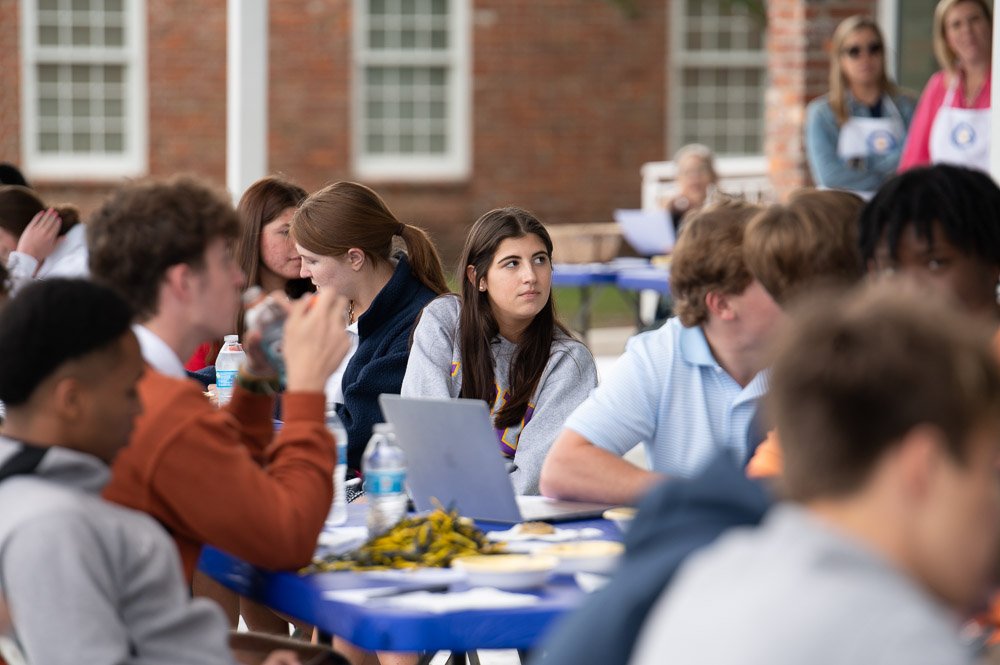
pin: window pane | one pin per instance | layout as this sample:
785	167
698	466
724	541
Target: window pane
375	144
114	36
81	142
48	74
114	142
48	35
405	106
81	108
80	74
48	142
48	5
81	36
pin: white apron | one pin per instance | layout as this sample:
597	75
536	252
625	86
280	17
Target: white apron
960	136
861	137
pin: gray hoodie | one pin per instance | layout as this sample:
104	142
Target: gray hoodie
434	369
87	581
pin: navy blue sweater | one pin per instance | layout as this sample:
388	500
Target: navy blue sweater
379	363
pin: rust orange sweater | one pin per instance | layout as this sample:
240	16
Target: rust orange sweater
214	476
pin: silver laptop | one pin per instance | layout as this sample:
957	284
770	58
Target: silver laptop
452	456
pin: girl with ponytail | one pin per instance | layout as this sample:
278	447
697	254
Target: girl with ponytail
501	342
349	241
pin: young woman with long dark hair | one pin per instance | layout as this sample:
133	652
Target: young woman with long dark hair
500	341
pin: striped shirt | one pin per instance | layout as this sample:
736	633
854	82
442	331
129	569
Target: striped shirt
668	391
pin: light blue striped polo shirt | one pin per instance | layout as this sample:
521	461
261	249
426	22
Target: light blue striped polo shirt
668	391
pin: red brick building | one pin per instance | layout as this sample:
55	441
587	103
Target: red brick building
446	107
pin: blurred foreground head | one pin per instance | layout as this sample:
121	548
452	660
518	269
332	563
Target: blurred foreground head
890	400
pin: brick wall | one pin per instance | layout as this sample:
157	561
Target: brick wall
799	34
568	101
10	77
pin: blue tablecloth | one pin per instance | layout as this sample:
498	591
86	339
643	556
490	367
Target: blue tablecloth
639	279
377	627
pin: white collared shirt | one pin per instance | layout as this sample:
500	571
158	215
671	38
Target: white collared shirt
335	384
158	353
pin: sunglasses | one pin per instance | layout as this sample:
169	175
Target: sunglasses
855	52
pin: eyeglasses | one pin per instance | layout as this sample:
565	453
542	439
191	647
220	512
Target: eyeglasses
855	52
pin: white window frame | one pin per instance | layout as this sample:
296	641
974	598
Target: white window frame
134	161
681	59
887	16
455	164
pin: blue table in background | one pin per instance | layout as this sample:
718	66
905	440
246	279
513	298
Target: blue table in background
378	627
642	279
586	276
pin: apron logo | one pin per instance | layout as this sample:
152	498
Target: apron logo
881	141
963	136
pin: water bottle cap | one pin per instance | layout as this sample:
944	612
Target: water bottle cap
231	339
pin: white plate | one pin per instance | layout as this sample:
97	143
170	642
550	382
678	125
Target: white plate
511	572
586	556
622	517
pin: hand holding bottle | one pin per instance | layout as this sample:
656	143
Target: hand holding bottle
315	340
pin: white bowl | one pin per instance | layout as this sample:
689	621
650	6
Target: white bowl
586	556
512	572
621	516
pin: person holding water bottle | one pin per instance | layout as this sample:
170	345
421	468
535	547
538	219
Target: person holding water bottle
855	132
952	122
215	476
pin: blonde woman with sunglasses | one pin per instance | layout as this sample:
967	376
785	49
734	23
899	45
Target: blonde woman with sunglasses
952	122
855	133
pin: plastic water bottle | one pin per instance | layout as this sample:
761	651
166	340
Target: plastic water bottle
338	509
227	366
384	466
268	316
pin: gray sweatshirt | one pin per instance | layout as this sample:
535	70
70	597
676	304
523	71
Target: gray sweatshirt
434	369
88	581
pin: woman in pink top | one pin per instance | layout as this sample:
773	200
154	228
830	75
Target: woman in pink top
952	122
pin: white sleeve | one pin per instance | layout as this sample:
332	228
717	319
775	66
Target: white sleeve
622	410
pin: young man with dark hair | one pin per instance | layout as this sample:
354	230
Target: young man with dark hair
85	580
688	390
217	476
893	517
939	225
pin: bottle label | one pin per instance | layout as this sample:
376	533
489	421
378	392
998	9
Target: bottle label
224	379
384	482
342	451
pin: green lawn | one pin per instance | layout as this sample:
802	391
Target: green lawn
609	306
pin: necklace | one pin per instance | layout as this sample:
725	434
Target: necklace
350	312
